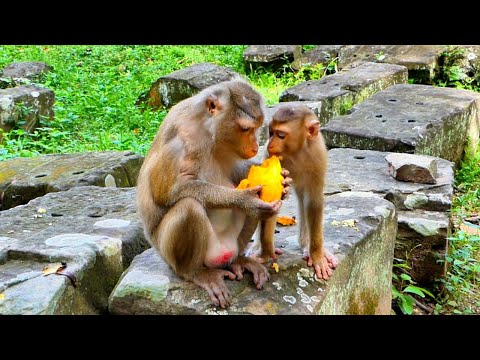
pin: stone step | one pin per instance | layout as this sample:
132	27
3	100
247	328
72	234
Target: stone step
270	55
170	89
422	61
28	103
417	119
336	94
422	238
423	208
360	285
94	230
23	179
320	54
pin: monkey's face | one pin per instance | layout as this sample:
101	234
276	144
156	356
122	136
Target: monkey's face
284	139
245	138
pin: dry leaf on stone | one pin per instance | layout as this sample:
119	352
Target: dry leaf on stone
52	269
275	267
2	296
286	220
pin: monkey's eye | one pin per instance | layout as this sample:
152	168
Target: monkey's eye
270	132
281	134
245	129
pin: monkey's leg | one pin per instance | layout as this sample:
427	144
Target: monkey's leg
182	239
322	261
267	233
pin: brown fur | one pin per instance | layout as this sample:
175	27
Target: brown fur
295	136
185	194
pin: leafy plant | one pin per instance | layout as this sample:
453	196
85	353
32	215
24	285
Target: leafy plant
404	287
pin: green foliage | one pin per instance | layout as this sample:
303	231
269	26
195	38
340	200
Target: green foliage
453	73
96	88
403	286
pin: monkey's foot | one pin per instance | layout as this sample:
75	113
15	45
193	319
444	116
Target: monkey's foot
324	266
260	272
265	257
212	281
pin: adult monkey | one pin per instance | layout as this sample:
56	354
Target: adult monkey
186	197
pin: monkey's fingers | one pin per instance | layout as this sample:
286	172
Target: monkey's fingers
284	172
322	270
237	270
230	275
332	260
221	295
276	205
255	190
285	193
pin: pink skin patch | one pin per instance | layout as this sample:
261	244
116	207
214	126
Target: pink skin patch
224	258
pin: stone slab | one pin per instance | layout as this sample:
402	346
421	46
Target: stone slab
23	179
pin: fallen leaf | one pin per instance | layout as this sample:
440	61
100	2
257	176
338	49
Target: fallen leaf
335	223
275	267
349	222
41	211
469	229
286	220
52	269
2	296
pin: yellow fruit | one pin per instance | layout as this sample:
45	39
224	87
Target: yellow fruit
269	176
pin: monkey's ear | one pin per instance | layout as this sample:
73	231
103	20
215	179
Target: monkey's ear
313	126
212	104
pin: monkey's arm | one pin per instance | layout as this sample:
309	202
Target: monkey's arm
217	196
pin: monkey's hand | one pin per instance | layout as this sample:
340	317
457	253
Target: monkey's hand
323	263
260	272
286	183
256	208
212	281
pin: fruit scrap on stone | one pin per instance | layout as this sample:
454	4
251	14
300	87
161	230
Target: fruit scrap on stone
275	267
286	220
269	175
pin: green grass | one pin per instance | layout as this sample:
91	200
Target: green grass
96	88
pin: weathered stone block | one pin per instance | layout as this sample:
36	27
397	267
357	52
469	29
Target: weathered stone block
31	70
414	168
422	61
25	106
337	93
173	88
321	54
360	285
417	119
95	230
23	179
270	55
422	238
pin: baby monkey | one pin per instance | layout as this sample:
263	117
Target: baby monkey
296	139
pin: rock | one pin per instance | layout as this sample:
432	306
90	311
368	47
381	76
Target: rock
422	237
365	170
360	285
417	119
270	55
25	106
33	70
414	168
173	88
321	54
23	179
422	61
337	93
94	230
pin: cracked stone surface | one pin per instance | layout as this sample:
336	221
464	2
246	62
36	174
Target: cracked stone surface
417	119
360	285
337	93
94	230
23	179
